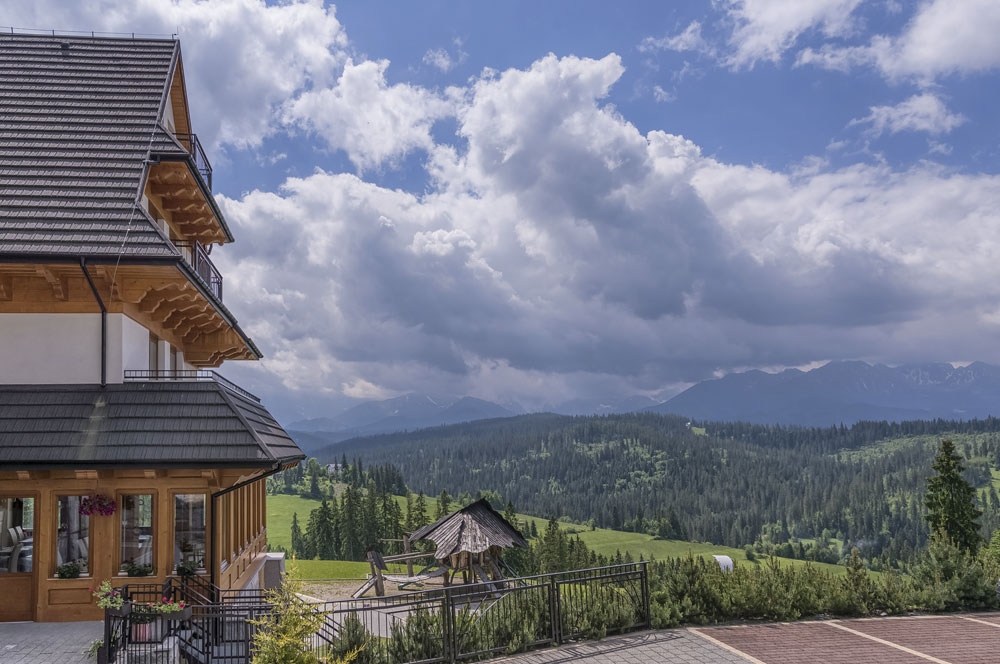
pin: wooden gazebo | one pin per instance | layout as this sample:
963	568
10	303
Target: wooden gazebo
468	540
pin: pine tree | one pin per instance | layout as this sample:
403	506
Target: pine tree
443	504
350	535
553	548
420	511
298	545
510	515
951	501
408	524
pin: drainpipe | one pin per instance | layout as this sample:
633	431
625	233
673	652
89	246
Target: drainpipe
104	323
213	571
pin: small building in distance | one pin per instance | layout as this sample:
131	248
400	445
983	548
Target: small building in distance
121	451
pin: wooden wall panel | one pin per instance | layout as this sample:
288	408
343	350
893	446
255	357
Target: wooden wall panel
69	599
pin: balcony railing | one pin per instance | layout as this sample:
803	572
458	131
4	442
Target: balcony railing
199	260
185	376
193	145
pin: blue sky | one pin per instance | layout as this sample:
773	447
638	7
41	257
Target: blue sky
536	202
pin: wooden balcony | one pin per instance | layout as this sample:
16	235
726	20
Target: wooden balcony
202	264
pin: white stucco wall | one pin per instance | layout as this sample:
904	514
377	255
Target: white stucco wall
135	345
66	348
58	348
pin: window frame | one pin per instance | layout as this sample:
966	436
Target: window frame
54	544
154	518
173	493
35	496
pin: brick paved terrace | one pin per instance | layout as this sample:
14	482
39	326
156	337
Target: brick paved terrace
951	639
47	643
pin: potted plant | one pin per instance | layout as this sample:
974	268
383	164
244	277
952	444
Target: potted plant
137	569
99	505
187	568
69	570
111	599
145	623
171	610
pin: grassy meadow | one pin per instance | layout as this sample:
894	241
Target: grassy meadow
602	540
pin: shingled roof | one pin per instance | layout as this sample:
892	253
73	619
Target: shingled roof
144	424
472	529
79	121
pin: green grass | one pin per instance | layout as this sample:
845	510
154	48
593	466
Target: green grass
601	540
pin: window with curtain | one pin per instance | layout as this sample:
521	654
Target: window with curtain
72	533
189	529
137	539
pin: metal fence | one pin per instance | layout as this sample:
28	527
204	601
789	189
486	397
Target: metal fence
453	624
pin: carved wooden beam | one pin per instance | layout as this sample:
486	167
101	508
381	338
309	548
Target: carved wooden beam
58	284
6	287
184	190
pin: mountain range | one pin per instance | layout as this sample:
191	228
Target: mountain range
408	412
841	392
844	393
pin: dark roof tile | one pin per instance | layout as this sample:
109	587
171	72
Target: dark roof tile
76	126
137	424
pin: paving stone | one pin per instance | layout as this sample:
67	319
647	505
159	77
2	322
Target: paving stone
953	639
47	643
677	646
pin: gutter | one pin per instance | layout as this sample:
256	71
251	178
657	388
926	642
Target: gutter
104	322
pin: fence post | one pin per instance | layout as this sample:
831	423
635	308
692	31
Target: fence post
102	652
645	594
555	609
450	639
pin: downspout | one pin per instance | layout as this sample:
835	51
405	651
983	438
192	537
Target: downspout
213	528
104	323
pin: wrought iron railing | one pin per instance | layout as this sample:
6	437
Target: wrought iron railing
193	145
202	264
186	375
453	624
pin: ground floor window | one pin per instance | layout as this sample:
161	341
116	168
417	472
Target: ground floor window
137	533
17	542
189	530
72	536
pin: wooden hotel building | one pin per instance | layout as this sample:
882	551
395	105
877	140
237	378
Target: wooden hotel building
121	451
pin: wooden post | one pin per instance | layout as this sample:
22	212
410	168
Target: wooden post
376	574
406	549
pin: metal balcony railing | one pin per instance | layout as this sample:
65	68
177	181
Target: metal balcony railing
202	264
193	145
185	376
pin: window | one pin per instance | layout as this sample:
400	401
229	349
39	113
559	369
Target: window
17	526
72	534
189	529
154	352
137	530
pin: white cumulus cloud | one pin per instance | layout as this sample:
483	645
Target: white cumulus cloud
374	122
922	112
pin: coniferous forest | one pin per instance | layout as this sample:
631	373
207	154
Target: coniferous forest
733	484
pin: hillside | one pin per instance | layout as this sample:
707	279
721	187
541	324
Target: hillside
727	484
601	540
844	392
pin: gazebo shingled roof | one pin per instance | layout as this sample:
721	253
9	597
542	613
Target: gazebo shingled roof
472	529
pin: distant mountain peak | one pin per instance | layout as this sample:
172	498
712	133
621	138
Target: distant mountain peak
844	392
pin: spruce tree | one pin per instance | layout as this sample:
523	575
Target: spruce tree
298	548
443	504
951	501
420	511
